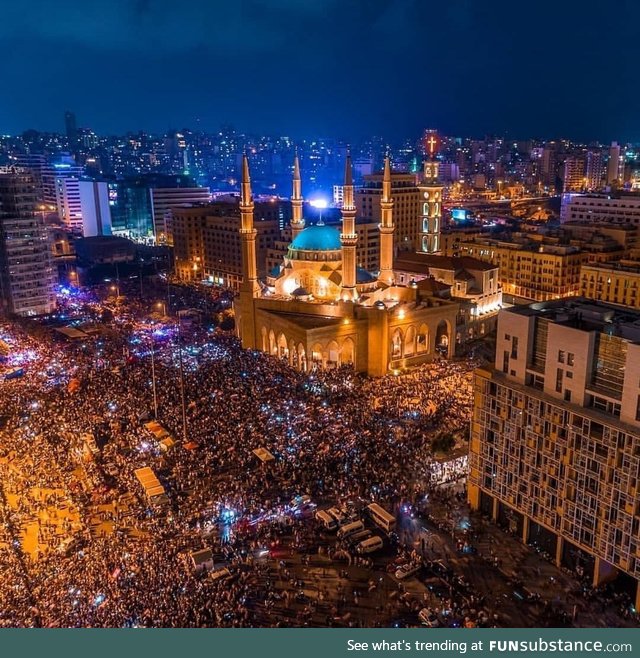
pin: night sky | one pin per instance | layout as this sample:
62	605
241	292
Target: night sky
324	67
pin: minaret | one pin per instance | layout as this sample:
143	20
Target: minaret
245	310
431	203
386	228
348	238
297	221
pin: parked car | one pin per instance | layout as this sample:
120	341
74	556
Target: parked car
408	570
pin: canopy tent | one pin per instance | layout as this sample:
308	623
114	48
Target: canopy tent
263	454
71	333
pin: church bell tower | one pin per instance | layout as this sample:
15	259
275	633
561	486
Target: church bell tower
430	202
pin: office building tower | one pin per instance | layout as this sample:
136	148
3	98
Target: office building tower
615	166
83	206
131	200
207	242
594	171
165	199
555	438
71	127
406	209
573	179
27	278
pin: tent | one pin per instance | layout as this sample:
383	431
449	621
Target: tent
263	454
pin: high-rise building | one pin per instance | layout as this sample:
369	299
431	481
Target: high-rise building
165	199
615	166
27	278
207	242
83	206
548	162
94	208
47	171
594	171
573	179
555	435
406	206
70	126
132	208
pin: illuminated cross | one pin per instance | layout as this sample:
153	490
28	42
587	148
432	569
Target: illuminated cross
432	144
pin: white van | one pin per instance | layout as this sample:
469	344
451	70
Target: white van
337	515
350	529
370	545
328	522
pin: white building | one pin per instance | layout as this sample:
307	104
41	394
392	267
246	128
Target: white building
601	208
83	206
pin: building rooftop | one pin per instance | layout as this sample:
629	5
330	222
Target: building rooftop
411	260
307	321
586	315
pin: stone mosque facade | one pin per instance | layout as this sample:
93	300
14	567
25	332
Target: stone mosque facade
319	310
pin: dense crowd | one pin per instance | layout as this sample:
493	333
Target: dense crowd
335	436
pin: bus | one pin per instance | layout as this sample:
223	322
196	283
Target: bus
350	529
370	545
327	520
381	517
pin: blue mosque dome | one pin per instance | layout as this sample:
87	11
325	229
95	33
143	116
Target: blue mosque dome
317	238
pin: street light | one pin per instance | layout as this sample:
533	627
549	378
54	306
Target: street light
153	376
184	406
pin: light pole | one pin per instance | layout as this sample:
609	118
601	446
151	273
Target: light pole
184	407
118	279
141	266
153	376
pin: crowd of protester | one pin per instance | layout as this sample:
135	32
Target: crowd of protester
82	546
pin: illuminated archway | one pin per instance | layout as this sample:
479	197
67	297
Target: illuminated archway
302	357
283	348
316	355
348	353
410	341
333	354
422	345
396	344
443	337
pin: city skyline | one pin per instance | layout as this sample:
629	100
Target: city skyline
444	66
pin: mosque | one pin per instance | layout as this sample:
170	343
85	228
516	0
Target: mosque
319	310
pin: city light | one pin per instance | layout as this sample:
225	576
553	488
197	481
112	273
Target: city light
319	203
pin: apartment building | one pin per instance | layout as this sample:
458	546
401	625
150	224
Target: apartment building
555	435
206	241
